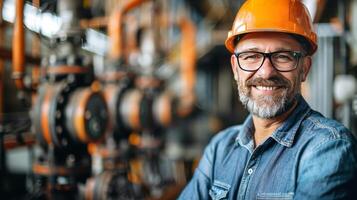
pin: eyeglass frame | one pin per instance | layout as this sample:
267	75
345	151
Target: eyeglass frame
268	55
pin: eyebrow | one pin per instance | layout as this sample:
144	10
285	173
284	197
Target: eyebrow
259	50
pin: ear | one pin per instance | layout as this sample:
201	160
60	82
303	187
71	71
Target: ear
234	65
306	65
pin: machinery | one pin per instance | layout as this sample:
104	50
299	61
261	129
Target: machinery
116	99
99	133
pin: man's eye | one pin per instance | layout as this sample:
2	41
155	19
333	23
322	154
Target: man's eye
250	56
283	57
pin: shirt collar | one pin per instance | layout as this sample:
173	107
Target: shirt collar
285	134
244	137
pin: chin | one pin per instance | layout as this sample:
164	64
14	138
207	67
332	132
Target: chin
267	107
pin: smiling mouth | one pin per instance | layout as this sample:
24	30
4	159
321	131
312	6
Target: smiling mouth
267	88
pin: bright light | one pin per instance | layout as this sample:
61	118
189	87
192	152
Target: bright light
44	23
8	11
48	24
96	42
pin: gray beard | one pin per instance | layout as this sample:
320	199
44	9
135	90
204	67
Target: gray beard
267	107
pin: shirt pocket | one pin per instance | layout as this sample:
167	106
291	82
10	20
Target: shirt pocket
219	190
275	196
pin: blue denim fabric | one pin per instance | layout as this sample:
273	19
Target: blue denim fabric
307	157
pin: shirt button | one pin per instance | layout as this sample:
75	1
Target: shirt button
250	171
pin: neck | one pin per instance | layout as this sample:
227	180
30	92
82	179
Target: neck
265	127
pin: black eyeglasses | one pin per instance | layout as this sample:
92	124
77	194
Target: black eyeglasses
282	61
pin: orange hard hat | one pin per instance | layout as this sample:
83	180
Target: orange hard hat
285	16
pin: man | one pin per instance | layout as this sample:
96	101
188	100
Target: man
284	149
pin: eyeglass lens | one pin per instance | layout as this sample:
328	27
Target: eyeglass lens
282	61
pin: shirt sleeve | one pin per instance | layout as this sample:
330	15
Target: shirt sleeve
200	183
197	187
328	171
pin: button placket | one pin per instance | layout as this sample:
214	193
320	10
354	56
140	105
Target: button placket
247	175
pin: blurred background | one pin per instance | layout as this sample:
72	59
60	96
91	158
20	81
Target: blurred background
116	99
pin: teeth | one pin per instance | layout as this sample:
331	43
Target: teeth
265	88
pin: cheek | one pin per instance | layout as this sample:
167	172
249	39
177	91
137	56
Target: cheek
296	82
242	76
241	80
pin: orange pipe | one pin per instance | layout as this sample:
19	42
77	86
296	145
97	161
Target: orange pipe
188	66
79	118
115	25
36	3
45	109
12	141
2	63
18	42
36	50
97	22
1	9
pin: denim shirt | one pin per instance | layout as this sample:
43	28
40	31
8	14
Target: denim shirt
307	157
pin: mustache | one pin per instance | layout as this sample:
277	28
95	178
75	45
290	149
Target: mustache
274	81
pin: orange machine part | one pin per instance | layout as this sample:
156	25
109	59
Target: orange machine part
79	118
45	110
67	70
11	141
130	108
18	43
134	105
163	109
45	169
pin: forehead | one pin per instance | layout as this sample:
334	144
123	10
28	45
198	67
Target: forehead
268	42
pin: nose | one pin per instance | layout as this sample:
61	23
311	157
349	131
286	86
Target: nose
266	70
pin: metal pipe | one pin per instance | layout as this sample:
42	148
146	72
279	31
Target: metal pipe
115	25
36	52
187	68
12	141
97	22
2	141
188	57
18	43
2	64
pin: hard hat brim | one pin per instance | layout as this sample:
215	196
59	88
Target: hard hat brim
231	40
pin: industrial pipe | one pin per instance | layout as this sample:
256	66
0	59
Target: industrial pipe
97	22
2	64
12	141
18	43
35	52
163	108
187	68
115	28
188	55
